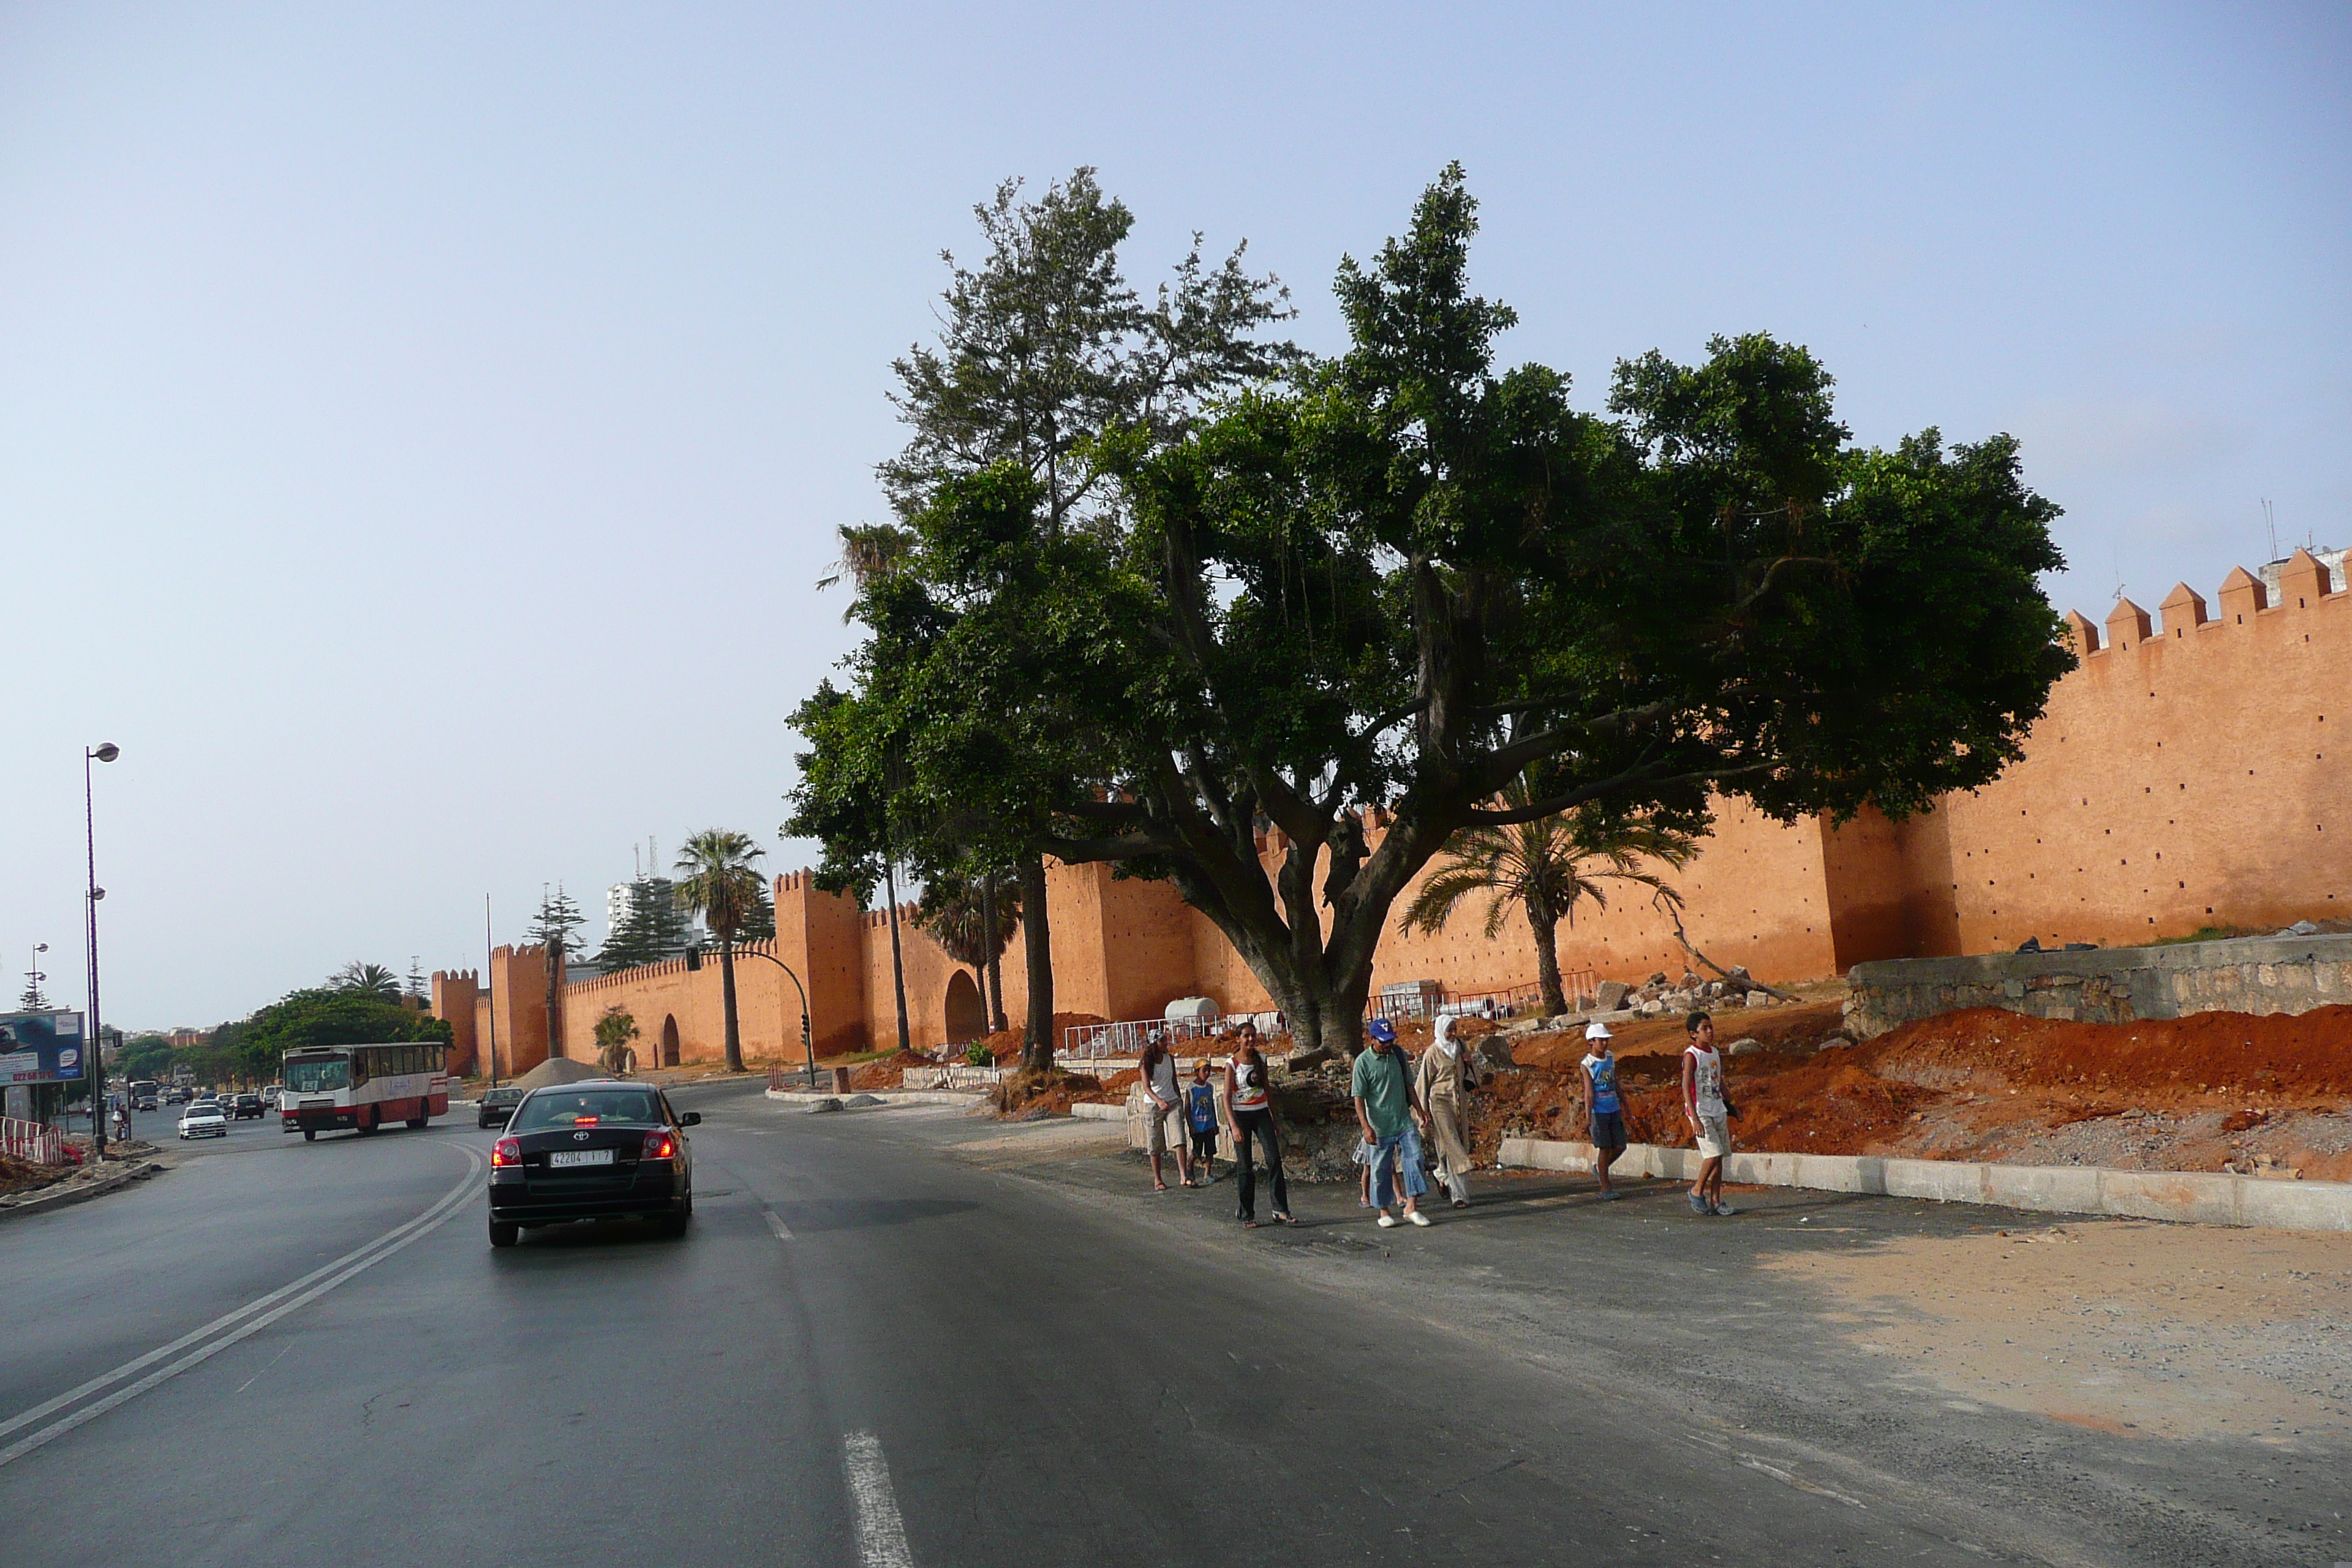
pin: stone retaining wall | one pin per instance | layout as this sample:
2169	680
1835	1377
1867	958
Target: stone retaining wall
2109	986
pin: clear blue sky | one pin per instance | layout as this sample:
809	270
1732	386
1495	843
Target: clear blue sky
421	427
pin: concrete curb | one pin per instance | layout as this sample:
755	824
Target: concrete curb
892	1096
1087	1110
51	1199
2188	1196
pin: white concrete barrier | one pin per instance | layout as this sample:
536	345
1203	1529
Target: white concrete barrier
889	1096
2188	1196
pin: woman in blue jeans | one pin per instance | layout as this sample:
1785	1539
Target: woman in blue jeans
1247	1106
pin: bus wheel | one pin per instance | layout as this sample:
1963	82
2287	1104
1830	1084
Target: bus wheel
368	1127
422	1117
503	1234
309	1135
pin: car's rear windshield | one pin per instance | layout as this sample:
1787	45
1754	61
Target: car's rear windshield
565	1108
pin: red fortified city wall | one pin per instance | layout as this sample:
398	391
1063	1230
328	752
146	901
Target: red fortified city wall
2182	777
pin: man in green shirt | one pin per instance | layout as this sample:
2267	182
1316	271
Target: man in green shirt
1387	1110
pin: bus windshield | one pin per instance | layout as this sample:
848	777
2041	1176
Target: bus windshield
312	1076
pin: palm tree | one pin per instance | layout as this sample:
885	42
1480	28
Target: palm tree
974	922
717	880
357	979
1546	867
870	552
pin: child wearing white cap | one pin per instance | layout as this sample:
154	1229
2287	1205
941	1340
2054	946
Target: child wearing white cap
1604	1113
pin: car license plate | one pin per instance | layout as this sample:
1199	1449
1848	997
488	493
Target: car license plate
560	1158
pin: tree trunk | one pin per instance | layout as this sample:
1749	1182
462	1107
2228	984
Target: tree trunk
898	960
1546	926
554	967
993	976
1037	943
727	995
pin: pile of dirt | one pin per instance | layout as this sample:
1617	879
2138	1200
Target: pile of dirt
883	1072
2211	1091
1004	1045
556	1071
24	1176
1026	1095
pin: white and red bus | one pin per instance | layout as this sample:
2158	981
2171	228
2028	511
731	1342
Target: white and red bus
363	1087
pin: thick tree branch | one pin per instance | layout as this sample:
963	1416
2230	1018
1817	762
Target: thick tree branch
1554	804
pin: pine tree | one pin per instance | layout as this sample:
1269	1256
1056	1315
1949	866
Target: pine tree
559	916
651	927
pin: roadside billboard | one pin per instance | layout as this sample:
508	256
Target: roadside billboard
41	1047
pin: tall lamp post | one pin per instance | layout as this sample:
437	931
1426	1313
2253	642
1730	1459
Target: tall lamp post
808	1035
94	1042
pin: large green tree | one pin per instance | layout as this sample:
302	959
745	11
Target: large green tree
718	879
1405	577
1045	352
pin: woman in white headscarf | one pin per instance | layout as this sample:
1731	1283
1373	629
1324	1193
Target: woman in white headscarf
1445	1077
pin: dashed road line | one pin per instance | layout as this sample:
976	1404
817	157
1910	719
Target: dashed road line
881	1535
776	1223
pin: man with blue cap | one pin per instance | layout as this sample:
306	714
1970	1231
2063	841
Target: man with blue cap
1388	1109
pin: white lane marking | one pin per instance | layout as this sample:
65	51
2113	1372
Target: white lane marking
881	1538
383	1246
776	1223
473	1165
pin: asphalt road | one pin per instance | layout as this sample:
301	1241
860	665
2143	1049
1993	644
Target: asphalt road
865	1352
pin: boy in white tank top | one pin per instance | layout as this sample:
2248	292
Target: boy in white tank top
1710	1115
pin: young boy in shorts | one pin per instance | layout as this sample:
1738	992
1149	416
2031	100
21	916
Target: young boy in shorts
1604	1113
1710	1115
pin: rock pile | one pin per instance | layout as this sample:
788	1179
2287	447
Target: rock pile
1657	995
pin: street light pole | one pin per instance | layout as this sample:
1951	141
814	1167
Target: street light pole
808	1035
94	1042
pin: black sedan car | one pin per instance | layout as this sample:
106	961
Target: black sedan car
590	1150
499	1104
247	1107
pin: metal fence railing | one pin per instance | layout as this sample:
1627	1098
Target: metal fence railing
1089	1042
32	1142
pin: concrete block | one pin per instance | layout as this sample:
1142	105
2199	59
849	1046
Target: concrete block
2170	1194
1086	1113
1546	1154
2044	1189
2295	1205
1940	1181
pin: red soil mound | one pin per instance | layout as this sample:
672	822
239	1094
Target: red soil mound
1005	1045
1964	1071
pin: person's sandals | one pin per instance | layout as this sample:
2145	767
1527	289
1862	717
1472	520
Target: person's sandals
1418	1217
1609	1194
1159	1186
1698	1205
1462	1202
1725	1209
1284	1218
1249	1224
1388	1221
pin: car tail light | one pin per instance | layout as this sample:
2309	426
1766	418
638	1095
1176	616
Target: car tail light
508	1152
659	1146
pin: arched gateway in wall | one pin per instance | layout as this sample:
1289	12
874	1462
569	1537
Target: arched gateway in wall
967	1019
670	1041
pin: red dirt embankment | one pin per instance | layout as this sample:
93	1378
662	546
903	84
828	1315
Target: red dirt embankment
2195	1093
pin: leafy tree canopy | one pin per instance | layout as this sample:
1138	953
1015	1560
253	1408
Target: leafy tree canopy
1402	578
308	1018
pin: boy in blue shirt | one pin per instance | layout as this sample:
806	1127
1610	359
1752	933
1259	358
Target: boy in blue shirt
1604	1113
1200	1117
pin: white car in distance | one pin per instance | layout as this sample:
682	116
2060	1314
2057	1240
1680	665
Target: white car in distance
204	1121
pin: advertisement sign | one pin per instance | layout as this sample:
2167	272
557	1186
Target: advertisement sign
41	1047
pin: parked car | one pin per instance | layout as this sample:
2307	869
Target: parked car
249	1108
588	1150
204	1121
498	1105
